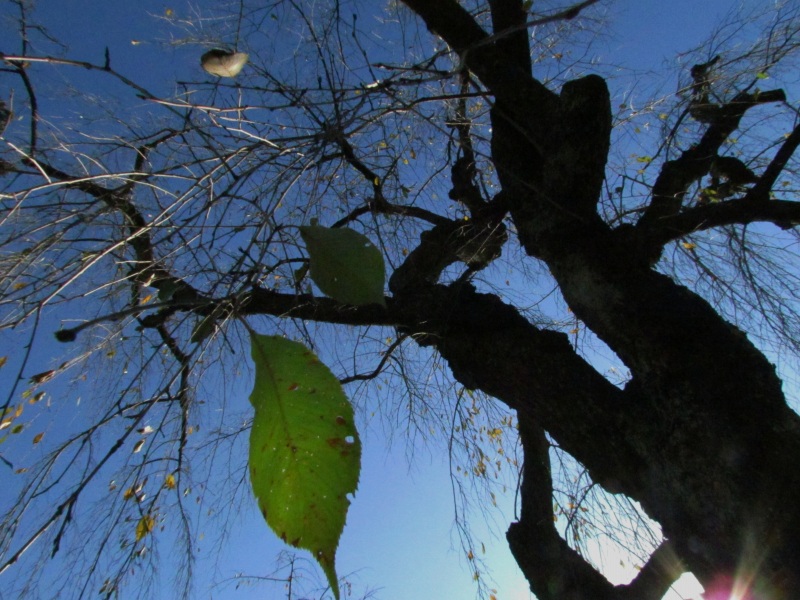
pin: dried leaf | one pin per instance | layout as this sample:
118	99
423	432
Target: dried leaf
146	524
40	378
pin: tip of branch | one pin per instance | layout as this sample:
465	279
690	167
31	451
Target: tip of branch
66	335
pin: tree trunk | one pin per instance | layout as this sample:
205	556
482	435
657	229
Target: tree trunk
701	435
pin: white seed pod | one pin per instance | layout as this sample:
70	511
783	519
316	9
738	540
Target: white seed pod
223	63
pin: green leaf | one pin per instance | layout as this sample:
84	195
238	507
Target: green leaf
305	455
165	290
345	265
300	273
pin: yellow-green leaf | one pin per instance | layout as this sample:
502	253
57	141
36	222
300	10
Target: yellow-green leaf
345	265
305	453
146	524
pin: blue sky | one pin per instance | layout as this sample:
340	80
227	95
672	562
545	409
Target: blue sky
401	539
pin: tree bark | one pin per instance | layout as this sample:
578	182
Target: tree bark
701	435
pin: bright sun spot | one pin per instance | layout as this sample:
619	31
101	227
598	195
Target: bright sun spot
730	588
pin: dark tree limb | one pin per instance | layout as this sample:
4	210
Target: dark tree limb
754	206
654	579
761	190
702	429
389	208
528	100
490	346
263	301
476	243
677	175
464	169
578	158
510	28
554	570
742	211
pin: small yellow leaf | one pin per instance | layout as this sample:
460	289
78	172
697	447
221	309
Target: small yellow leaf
689	245
36	398
145	526
169	482
38	438
3	360
147	298
128	494
19	286
6	422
